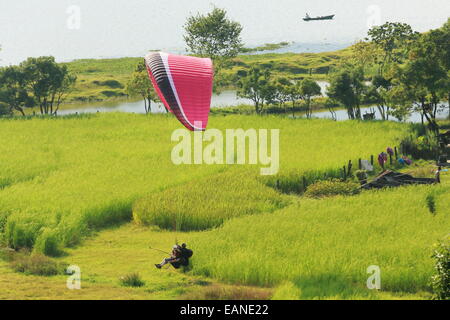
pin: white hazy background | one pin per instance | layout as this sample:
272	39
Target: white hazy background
73	29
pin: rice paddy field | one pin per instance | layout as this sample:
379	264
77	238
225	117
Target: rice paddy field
97	190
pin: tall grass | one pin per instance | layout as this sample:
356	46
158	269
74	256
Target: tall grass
207	203
63	177
322	248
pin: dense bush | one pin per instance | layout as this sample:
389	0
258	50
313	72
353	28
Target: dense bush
109	83
111	93
36	264
441	280
421	147
331	188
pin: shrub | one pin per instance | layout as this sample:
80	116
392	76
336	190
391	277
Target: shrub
111	93
441	280
109	83
36	264
431	203
422	147
331	188
132	280
361	175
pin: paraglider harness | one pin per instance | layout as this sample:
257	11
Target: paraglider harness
182	259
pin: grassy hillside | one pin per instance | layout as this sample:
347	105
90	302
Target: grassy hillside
290	65
103	79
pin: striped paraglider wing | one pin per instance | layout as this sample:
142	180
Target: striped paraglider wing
184	85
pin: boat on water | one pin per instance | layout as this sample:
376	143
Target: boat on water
308	18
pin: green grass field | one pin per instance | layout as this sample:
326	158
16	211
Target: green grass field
101	79
97	190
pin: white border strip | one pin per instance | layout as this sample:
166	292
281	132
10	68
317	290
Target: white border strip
165	60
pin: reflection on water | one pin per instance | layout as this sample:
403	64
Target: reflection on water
227	98
342	114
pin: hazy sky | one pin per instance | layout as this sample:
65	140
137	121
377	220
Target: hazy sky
70	29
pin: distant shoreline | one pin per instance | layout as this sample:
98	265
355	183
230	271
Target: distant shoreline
291	47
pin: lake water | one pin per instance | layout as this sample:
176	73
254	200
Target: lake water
342	114
227	98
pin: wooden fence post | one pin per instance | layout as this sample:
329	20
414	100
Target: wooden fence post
349	168
359	164
371	159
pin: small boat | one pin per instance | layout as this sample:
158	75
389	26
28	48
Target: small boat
308	18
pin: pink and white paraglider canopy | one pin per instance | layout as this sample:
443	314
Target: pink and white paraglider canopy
184	85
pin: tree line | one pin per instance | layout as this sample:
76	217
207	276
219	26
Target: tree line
35	83
398	70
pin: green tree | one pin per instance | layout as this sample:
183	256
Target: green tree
215	36
365	54
423	80
256	86
48	82
13	93
438	47
394	39
377	92
140	85
282	90
308	89
294	94
347	87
